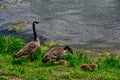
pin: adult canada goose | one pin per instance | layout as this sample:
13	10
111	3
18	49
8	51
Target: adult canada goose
56	53
31	47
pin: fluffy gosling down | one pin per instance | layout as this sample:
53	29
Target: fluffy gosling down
90	67
60	62
31	47
56	53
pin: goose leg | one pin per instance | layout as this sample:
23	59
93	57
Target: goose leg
31	58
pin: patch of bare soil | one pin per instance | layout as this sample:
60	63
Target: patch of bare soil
98	51
12	78
61	73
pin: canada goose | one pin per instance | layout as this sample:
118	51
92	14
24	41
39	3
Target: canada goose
30	47
56	53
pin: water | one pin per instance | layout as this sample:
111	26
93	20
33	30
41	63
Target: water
85	23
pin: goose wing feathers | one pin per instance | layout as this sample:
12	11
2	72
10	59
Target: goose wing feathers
28	48
55	52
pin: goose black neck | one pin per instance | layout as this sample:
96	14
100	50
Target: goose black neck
66	48
34	32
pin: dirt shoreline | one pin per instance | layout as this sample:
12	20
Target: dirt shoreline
94	51
97	51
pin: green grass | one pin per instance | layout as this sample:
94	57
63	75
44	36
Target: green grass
23	69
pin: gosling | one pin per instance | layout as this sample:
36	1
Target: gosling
60	62
90	67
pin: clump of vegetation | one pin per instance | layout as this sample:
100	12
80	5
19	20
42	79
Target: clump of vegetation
110	63
22	68
16	26
52	43
10	44
2	6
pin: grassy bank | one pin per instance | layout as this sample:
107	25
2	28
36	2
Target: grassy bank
23	69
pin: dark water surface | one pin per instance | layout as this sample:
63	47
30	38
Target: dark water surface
85	23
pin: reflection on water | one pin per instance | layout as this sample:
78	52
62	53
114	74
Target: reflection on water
90	23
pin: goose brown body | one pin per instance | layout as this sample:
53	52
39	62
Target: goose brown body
56	53
28	49
31	47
